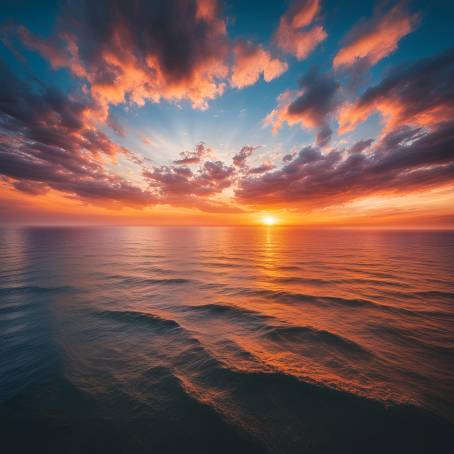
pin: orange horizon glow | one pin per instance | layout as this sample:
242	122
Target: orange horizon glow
431	210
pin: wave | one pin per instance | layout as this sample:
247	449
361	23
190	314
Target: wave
435	294
288	297
168	281
223	265
36	289
301	280
409	339
290	334
142	317
225	310
288	268
137	280
276	333
269	403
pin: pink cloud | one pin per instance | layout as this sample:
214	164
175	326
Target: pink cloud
251	61
371	41
294	36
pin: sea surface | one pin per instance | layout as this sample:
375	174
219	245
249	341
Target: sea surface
226	340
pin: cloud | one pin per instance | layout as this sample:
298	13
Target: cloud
262	168
210	178
239	159
323	137
240	162
139	52
421	95
195	156
31	187
372	40
294	36
360	146
252	60
407	159
46	142
311	107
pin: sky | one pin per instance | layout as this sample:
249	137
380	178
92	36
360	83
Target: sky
223	112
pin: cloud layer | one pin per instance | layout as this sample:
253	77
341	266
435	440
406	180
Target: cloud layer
372	40
47	142
141	51
296	34
421	95
405	160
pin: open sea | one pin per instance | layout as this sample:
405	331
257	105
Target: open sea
226	340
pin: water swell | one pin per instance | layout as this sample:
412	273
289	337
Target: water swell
140	317
289	297
407	338
311	409
306	334
144	281
301	280
227	311
34	289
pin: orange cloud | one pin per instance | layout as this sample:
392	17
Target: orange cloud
419	95
251	61
293	35
142	55
371	41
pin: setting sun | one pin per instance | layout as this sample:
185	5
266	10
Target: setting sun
269	220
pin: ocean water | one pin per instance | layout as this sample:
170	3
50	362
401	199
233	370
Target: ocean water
226	340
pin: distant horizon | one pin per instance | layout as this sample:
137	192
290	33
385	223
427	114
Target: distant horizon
257	225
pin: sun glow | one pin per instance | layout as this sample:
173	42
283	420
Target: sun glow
269	220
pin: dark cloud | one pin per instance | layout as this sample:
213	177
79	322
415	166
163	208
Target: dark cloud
145	50
239	160
45	143
421	94
324	136
317	99
361	145
31	187
210	178
404	160
193	157
288	157
312	108
262	168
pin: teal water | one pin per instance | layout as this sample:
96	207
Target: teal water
273	340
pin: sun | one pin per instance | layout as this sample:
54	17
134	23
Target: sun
269	220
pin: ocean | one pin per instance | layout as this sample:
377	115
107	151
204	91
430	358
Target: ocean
226	340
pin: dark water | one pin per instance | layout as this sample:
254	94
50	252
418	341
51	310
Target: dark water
226	340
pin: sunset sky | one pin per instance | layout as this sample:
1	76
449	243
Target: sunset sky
319	113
